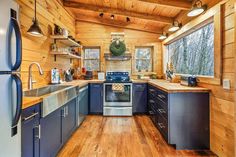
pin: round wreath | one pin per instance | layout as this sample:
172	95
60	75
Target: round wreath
117	48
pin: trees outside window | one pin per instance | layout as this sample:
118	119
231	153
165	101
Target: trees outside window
92	59
194	53
143	59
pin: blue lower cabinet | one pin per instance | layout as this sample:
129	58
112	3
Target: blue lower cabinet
68	120
51	140
140	98
30	131
96	98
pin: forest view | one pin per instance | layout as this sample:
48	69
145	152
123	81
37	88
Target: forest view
194	53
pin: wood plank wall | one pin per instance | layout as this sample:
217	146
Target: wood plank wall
37	49
223	101
91	34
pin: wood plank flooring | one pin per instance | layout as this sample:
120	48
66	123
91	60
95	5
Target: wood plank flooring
135	136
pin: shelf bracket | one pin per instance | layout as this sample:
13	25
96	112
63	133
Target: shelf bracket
55	58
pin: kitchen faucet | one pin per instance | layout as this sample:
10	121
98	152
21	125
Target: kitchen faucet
30	79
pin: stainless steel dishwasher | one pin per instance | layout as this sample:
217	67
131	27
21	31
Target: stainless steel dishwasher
82	104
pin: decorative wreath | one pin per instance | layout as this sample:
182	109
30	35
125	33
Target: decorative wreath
117	48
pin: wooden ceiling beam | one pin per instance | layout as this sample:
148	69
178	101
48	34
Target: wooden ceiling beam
122	12
178	4
117	24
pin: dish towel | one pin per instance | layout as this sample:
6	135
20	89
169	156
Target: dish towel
118	87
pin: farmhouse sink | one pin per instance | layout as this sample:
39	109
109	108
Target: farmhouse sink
53	97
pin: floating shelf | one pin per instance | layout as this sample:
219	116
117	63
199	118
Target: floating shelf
124	57
66	54
65	40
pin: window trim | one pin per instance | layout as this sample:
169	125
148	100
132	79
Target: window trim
99	60
215	14
152	60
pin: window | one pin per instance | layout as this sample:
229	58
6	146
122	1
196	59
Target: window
194	53
92	59
143	59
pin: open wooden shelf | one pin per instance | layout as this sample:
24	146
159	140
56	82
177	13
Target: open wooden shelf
65	40
66	54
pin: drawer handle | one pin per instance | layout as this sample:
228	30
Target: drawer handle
31	116
161	96
161	110
151	101
151	113
161	125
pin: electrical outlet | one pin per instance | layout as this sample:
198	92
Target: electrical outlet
226	84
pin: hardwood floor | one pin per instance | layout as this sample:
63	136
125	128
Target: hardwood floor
135	136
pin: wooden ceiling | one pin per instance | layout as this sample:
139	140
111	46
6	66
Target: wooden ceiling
145	15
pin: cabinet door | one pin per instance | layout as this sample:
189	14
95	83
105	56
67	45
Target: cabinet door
50	141
68	119
96	98
30	132
139	98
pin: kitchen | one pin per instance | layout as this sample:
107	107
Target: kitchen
117	78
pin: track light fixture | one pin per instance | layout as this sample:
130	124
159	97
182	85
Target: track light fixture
101	15
112	17
163	36
127	19
197	9
175	26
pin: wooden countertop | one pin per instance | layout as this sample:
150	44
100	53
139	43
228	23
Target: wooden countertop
175	87
30	101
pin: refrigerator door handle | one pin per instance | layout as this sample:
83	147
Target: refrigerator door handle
17	115
14	25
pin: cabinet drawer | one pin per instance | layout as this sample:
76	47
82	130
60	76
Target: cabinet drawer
96	85
163	112
163	96
162	104
152	91
139	87
162	125
31	112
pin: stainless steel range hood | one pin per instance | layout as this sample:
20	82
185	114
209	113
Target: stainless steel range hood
111	57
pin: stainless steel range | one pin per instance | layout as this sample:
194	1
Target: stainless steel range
117	94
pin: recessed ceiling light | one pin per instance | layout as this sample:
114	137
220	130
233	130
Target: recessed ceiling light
197	9
175	26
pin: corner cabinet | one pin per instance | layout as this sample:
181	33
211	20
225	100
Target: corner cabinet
30	131
182	118
139	98
96	98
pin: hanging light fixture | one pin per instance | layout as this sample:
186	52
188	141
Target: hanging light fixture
163	36
197	9
34	29
175	26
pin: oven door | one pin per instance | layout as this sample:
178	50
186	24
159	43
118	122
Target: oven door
117	99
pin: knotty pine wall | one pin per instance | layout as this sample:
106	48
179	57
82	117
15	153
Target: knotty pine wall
91	34
38	49
222	102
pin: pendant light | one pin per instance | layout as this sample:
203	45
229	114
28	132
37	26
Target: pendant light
175	26
163	36
34	29
197	9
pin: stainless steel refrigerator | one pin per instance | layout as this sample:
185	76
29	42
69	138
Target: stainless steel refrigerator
10	83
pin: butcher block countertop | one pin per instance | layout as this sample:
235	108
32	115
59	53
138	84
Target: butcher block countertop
161	84
175	87
30	101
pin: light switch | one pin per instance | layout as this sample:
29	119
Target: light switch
226	83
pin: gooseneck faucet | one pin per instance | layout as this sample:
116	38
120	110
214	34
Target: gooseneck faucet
30	79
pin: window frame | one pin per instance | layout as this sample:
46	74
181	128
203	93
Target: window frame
99	60
195	29
136	72
214	14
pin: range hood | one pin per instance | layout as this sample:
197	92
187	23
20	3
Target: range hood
110	57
